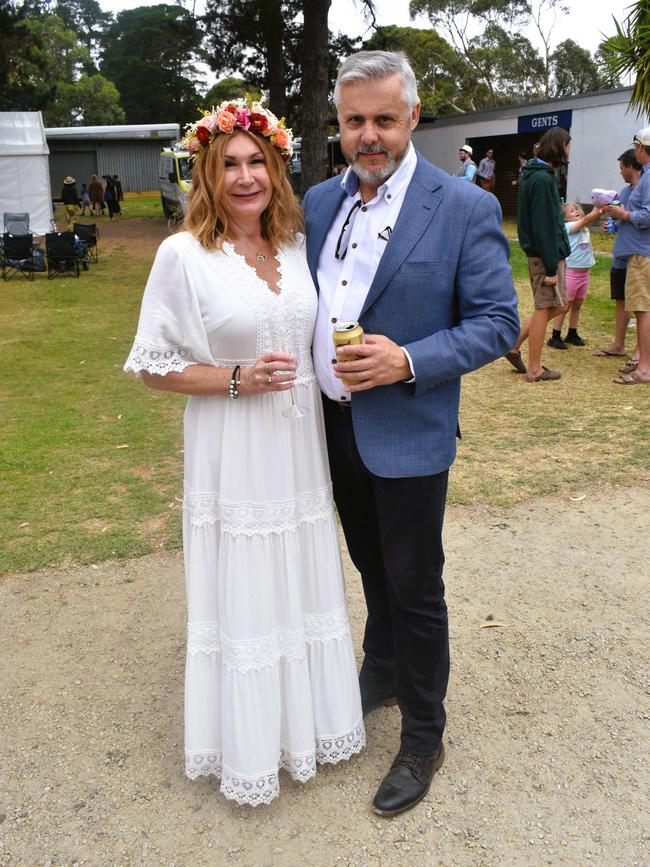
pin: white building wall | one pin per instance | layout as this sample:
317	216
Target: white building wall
601	129
598	136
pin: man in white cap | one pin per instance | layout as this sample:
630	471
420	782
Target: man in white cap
467	168
637	281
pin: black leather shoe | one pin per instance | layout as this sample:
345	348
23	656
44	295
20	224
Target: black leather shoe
375	696
407	782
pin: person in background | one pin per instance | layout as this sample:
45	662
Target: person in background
486	172
630	169
523	159
637	239
543	238
85	200
467	168
118	190
110	197
578	265
96	193
70	198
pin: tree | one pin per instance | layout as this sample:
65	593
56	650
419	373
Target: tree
573	70
91	100
20	55
628	53
151	54
502	64
439	69
314	91
88	21
229	88
259	39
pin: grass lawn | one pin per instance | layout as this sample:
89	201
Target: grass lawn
91	460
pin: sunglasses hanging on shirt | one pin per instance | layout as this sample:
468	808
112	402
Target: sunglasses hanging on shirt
346	231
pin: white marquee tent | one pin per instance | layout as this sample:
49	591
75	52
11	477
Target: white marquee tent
24	172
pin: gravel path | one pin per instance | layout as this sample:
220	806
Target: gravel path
549	715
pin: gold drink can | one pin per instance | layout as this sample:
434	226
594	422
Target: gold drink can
347	334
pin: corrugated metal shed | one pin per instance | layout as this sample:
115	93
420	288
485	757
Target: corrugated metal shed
129	151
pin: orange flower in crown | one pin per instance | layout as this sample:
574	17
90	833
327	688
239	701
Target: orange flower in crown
244	113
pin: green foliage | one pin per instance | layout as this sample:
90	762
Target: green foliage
573	70
438	68
151	54
229	88
91	100
628	53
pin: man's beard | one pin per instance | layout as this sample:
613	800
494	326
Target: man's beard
378	175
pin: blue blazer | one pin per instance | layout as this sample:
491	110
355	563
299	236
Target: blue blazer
443	290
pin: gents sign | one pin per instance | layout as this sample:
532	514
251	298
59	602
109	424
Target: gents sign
541	122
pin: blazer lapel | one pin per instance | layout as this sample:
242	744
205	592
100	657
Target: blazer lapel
420	204
324	211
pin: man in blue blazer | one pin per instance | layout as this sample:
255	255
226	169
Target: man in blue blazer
420	260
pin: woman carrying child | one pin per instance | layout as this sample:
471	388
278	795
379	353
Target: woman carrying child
578	264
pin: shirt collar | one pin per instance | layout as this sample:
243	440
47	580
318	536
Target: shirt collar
393	185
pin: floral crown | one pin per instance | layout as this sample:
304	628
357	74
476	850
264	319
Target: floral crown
243	113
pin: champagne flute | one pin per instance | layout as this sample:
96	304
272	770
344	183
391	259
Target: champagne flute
294	410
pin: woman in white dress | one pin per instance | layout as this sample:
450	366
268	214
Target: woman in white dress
227	319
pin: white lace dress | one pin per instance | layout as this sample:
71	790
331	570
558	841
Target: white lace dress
271	678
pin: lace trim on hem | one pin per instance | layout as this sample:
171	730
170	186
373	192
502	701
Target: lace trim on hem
254	654
262	789
259	519
157	359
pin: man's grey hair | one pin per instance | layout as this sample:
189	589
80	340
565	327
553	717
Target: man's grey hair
377	65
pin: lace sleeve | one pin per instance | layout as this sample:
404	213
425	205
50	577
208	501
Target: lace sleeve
171	333
155	358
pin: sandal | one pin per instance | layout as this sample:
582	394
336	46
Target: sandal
515	359
631	379
545	376
606	353
629	366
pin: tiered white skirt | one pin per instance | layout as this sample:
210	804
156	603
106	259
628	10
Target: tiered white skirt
271	679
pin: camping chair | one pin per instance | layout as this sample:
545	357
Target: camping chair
16	224
89	233
62	256
17	256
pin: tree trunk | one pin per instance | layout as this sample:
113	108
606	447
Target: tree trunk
274	29
314	92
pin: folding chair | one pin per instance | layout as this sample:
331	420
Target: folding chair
17	256
16	224
89	233
62	254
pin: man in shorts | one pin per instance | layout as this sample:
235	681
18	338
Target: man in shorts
630	172
637	282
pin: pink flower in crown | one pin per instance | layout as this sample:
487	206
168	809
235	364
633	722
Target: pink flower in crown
225	121
211	121
281	138
272	127
243	119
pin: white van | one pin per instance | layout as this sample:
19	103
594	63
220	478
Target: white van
175	178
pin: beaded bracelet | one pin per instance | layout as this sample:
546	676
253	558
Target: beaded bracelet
234	382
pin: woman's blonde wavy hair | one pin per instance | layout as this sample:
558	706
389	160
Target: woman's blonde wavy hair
206	218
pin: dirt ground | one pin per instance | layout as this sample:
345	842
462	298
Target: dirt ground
548	733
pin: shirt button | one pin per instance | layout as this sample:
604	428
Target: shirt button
334	360
354	246
343	397
364	209
388	195
334	319
344	282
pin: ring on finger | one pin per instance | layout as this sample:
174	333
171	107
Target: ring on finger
269	379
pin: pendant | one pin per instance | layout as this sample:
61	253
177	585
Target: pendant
261	257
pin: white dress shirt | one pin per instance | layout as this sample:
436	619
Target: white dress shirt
344	282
